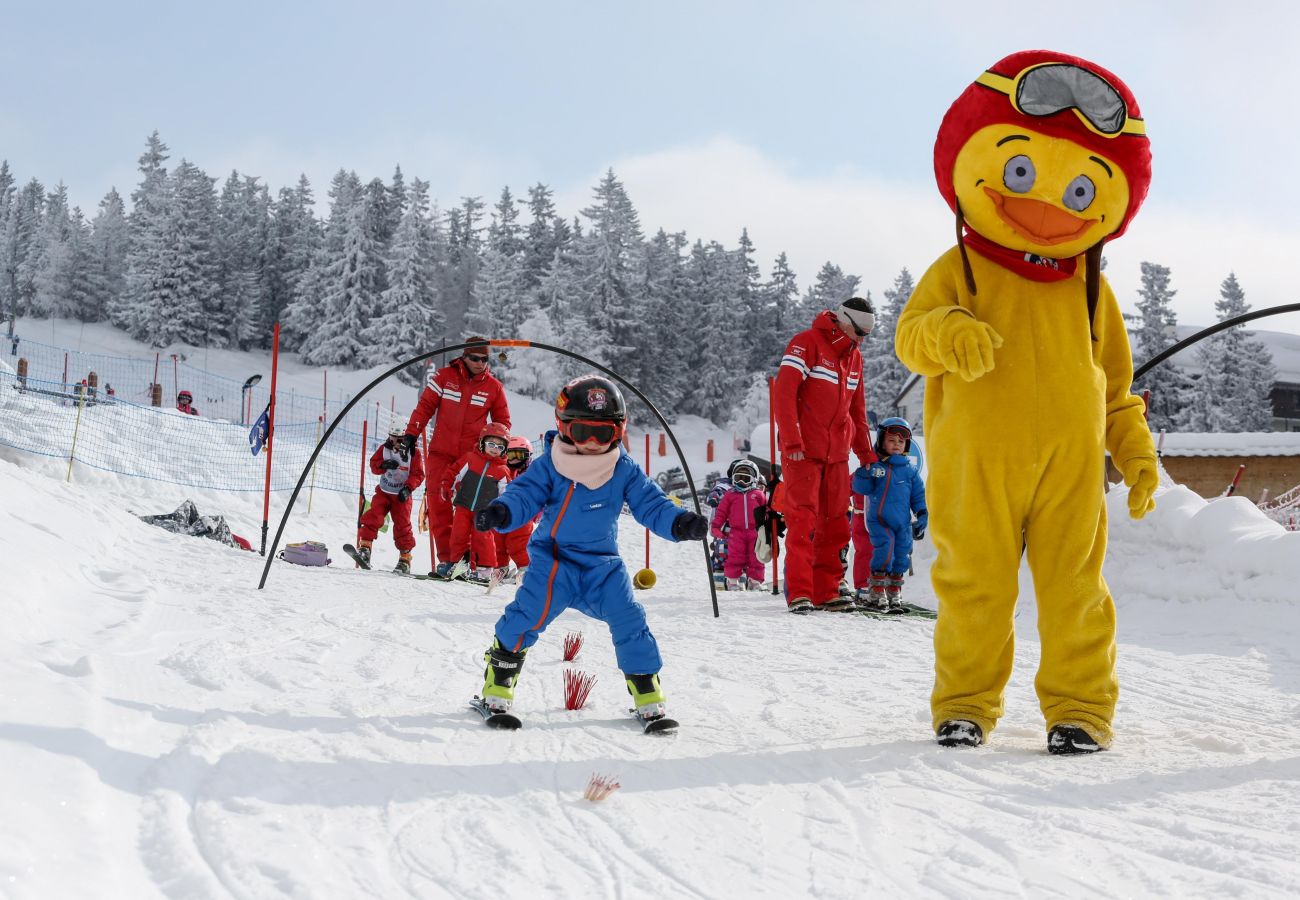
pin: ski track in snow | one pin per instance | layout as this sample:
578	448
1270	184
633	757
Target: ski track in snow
171	731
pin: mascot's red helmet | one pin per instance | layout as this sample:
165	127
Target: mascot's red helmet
1059	95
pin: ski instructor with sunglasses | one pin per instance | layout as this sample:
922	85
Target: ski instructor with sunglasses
821	412
463	396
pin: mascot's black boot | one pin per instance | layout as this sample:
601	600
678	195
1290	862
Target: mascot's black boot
959	733
1066	740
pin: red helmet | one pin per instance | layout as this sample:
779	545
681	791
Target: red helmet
494	430
1062	96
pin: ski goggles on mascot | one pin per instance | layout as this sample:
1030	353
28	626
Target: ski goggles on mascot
591	431
1049	88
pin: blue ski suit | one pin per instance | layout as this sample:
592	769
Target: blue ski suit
574	553
894	490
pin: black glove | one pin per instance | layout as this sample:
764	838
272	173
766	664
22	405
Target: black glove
690	526
760	516
389	464
494	515
780	525
404	494
918	531
409	440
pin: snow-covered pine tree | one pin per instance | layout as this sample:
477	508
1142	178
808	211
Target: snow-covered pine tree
500	308
22	245
460	274
544	234
7	182
238	310
149	207
719	369
52	276
670	348
751	300
611	260
109	240
882	372
1170	386
781	295
307	307
349	295
831	288
295	238
412	322
1232	393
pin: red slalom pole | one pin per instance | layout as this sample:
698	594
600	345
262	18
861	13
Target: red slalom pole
428	501
270	432
1236	479
771	455
361	493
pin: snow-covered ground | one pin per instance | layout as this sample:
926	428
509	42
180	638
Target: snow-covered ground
169	730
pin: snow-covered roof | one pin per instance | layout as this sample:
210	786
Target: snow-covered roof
1278	443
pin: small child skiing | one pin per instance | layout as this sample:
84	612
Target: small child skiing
185	403
893	491
471	483
512	547
400	472
580	483
734	521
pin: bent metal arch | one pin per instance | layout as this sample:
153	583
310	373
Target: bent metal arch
279	531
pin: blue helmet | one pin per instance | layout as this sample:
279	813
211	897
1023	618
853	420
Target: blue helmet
893	422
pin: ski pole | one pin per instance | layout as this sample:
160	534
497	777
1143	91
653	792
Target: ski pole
1236	479
72	453
361	493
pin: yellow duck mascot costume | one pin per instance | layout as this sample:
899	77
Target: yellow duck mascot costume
1043	158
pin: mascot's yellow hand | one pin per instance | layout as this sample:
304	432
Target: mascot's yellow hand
966	346
1142	479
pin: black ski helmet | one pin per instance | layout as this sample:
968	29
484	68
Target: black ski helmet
591	397
591	409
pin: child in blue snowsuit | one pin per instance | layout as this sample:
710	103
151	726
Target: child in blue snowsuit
894	491
580	483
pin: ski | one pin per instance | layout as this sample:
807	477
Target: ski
661	725
498	577
503	721
356	556
909	611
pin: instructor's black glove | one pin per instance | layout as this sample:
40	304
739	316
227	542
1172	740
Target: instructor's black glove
760	516
494	515
918	531
404	494
690	526
409	440
389	464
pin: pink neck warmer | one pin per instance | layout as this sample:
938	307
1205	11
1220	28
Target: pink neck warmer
589	470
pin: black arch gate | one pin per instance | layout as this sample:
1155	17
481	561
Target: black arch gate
279	531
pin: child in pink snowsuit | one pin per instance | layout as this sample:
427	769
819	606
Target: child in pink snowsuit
734	521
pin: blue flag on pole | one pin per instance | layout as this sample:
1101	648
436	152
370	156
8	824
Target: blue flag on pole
257	437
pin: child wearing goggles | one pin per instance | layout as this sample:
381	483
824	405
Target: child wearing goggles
470	484
579	484
512	547
892	492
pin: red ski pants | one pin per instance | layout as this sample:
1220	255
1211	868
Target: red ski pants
464	539
513	546
817	527
439	510
373	519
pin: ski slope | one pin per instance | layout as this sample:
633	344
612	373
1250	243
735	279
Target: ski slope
170	731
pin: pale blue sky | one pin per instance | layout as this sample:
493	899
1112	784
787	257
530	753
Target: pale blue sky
810	123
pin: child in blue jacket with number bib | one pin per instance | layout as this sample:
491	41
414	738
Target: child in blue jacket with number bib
579	483
893	491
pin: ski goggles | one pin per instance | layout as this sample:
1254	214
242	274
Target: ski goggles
899	431
517	454
742	479
1049	88
589	431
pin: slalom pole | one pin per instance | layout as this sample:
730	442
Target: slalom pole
771	455
428	500
270	434
1236	480
311	491
361	492
81	404
647	472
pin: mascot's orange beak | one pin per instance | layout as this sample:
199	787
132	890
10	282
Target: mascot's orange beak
1041	222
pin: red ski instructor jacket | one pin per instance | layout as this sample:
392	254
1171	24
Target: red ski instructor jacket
820	404
463	403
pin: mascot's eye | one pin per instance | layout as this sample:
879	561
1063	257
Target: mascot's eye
1079	193
1019	174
